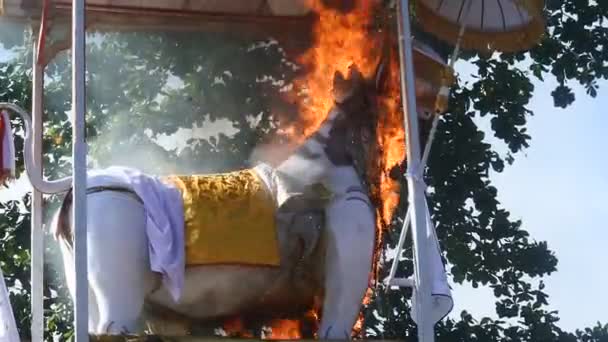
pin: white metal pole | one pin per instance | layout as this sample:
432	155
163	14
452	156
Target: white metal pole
414	178
37	234
399	249
408	215
79	153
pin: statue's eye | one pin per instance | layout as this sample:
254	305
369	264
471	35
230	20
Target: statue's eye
425	114
365	136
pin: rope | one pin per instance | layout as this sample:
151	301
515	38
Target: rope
448	75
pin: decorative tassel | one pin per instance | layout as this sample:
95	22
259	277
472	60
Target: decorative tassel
7	149
447	80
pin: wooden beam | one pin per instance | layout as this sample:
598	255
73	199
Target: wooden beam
233	9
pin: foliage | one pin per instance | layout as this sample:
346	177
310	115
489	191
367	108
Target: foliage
482	245
143	86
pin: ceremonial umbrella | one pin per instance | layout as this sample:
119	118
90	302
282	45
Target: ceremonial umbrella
504	25
483	25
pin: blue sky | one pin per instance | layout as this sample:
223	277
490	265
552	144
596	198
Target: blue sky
558	189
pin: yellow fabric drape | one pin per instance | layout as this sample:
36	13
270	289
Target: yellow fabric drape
229	219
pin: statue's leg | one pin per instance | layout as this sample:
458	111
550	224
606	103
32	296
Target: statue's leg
119	268
348	263
68	265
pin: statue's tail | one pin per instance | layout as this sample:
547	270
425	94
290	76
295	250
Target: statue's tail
7	154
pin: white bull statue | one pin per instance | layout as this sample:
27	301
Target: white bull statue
324	245
146	248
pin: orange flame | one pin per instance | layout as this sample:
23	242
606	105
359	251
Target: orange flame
391	138
284	329
235	327
341	40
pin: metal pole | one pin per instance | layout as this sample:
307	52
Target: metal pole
408	215
414	177
37	234
79	153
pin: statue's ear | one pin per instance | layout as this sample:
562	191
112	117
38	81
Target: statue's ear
355	76
347	87
342	88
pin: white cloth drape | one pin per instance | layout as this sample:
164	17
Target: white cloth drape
8	328
442	302
164	220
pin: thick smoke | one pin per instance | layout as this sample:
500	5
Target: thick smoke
214	132
119	139
12	37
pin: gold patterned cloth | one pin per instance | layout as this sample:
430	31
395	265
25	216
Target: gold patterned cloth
229	219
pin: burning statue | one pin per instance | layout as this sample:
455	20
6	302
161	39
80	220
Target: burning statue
312	220
277	240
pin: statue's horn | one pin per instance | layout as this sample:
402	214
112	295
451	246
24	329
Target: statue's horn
381	70
342	87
